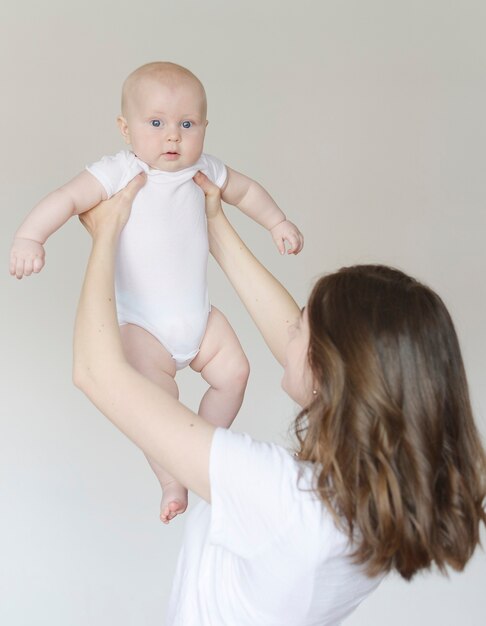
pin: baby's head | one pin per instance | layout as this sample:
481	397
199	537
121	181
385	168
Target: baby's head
164	115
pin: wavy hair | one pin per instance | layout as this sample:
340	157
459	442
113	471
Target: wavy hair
398	458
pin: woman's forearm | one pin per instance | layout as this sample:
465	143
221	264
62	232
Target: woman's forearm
270	305
97	338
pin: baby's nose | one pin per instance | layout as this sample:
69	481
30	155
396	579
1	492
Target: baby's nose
174	133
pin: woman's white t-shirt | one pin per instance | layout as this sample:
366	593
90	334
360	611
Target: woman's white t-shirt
266	551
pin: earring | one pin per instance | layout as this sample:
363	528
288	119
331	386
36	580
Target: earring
314	392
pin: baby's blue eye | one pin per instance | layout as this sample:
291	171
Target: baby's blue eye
186	124
155	123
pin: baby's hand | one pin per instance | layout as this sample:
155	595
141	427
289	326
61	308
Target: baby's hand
26	256
287	232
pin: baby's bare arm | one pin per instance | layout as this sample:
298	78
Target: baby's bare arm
27	254
251	198
80	194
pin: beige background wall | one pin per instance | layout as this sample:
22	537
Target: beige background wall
365	119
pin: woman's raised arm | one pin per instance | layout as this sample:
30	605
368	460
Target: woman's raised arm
161	426
270	305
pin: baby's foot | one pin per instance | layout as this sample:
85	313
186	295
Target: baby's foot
174	501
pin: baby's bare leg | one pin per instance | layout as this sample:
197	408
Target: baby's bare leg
224	366
149	357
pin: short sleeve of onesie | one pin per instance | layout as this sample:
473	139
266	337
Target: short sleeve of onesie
253	492
116	171
214	169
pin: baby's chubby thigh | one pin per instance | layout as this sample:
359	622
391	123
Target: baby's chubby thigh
221	360
149	357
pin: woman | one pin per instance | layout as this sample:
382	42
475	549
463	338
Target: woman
389	471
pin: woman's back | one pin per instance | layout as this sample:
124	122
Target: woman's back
266	550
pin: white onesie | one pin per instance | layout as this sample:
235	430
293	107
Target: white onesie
161	265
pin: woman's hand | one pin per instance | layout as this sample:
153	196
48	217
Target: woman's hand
112	215
212	193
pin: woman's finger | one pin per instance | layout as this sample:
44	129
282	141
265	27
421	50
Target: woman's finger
116	209
84	221
209	188
212	193
134	186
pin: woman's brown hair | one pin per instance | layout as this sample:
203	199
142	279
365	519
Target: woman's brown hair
398	457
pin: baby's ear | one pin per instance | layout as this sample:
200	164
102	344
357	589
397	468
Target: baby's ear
123	126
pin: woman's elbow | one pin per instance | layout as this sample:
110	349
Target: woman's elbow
81	376
91	377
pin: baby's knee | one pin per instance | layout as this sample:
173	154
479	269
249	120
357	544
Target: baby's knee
238	371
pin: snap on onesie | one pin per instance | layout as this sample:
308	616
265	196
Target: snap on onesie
161	265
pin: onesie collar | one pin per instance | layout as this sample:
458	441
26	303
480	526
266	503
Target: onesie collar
160	177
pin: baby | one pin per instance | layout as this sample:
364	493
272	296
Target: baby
166	320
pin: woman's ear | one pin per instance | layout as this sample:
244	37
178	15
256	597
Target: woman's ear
123	126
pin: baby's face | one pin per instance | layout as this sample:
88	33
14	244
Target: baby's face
165	124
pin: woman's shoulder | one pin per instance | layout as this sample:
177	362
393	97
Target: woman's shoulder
249	450
261	493
270	457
